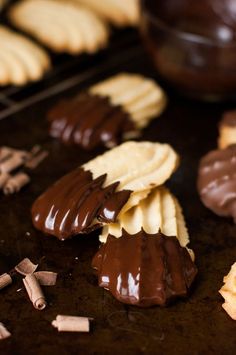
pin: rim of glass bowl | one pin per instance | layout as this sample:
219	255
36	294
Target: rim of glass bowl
157	21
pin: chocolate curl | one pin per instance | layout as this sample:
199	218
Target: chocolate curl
15	183
33	162
5	153
71	324
15	161
4	333
4	177
5	280
46	278
35	150
26	267
35	292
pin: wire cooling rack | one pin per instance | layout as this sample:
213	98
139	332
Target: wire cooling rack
68	71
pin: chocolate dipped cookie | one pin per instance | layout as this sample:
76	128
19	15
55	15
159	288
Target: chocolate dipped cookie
95	193
109	112
217	181
144	269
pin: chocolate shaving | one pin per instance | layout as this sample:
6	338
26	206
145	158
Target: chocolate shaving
35	150
5	280
5	153
46	278
74	203
4	333
144	269
13	159
33	282
71	324
26	267
35	292
15	183
16	160
4	177
36	160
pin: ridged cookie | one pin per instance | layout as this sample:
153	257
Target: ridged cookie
118	12
111	111
227	130
139	96
159	211
96	193
228	292
144	269
63	26
138	166
21	60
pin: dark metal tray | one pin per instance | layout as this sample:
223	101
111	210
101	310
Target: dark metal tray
197	325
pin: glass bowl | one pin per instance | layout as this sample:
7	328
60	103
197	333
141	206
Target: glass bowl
193	45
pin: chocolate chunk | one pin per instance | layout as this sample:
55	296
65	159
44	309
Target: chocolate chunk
89	121
77	203
144	269
217	181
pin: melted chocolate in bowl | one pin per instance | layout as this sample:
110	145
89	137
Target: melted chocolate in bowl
193	45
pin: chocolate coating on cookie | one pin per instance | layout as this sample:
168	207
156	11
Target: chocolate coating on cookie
229	119
89	121
144	269
217	181
77	203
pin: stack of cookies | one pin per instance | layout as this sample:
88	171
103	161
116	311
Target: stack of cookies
129	201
